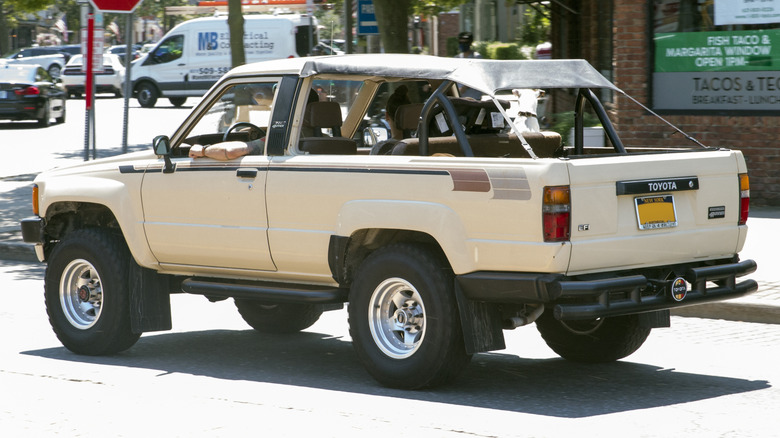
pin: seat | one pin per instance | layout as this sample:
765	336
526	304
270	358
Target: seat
321	115
407	117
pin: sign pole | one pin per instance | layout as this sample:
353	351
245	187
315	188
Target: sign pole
127	85
89	137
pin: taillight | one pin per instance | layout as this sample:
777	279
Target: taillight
556	214
28	91
35	199
744	198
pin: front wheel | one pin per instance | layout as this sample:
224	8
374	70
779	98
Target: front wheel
595	340
403	318
147	95
86	291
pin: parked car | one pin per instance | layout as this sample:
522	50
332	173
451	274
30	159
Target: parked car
28	92
120	51
50	58
465	224
110	80
69	50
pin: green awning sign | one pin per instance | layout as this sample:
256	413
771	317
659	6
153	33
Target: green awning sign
751	50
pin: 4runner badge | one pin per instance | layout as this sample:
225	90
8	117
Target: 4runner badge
679	289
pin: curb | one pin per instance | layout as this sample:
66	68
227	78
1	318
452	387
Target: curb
729	310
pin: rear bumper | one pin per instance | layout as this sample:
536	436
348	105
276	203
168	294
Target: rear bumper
619	295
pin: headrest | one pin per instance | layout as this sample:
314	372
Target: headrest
408	116
322	115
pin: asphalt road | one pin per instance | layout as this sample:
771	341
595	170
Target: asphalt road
213	376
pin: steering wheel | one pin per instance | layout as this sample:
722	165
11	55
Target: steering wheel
254	131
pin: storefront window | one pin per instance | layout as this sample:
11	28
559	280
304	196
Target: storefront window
716	55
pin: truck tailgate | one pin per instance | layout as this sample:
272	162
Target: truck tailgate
653	210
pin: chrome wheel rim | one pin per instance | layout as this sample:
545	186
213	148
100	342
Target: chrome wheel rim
396	317
81	294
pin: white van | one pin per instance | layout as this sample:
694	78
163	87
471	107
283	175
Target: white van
194	54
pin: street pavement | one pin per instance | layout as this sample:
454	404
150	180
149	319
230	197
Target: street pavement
763	238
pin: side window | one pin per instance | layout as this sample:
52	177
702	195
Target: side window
247	102
342	91
169	50
380	123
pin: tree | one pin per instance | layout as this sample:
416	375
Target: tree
236	26
9	13
393	18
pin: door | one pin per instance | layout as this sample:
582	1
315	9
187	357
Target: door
168	64
210	213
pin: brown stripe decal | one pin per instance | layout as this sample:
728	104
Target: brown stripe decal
470	180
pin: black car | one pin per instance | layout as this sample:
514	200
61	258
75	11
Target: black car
27	92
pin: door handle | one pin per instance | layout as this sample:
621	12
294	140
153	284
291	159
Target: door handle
246	173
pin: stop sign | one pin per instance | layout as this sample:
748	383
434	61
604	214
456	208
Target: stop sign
116	6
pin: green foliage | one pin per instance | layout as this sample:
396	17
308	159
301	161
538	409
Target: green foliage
562	123
427	7
536	30
452	46
504	51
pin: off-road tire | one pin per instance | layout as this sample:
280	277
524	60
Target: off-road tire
593	341
278	318
86	293
415	345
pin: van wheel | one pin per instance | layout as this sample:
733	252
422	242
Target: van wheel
403	318
147	95
594	340
278	318
87	295
177	101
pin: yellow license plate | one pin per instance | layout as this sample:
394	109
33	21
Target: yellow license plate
654	212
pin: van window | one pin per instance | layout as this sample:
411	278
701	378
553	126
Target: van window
168	50
248	102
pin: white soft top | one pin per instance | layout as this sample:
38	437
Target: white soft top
487	76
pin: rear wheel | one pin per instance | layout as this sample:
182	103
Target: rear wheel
45	119
403	318
147	95
177	101
278	318
86	291
593	340
61	118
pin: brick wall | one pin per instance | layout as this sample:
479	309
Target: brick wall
755	136
449	26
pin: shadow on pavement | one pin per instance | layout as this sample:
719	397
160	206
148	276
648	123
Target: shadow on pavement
549	387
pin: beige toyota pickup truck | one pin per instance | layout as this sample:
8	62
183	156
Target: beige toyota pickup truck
422	191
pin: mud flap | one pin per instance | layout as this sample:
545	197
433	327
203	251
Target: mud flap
481	324
657	319
150	300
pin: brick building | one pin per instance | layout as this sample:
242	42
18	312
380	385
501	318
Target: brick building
717	77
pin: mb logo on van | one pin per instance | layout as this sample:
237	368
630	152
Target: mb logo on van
208	40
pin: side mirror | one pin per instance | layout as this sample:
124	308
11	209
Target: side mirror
162	146
369	137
